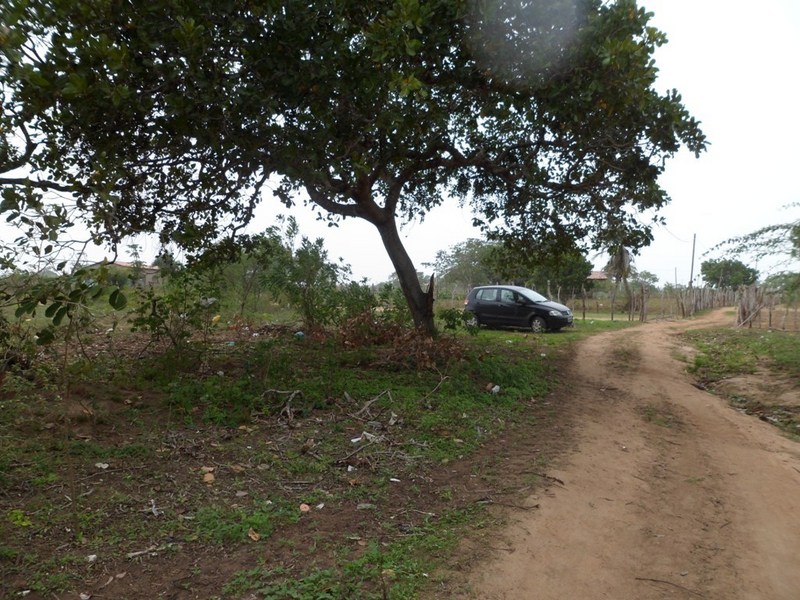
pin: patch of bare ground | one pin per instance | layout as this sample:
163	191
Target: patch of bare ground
669	493
763	386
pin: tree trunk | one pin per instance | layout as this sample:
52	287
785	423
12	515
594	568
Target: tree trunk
613	298
419	302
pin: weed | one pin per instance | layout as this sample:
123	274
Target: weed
658	415
391	570
223	525
219	400
725	353
18	518
624	357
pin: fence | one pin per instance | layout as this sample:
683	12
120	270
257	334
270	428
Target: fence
756	306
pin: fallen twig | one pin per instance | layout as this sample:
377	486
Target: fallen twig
433	391
141	552
488	500
151	550
547	477
353	453
369	403
509	550
680	587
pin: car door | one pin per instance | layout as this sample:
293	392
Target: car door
523	309
486	305
507	308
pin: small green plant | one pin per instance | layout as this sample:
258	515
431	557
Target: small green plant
725	353
660	416
18	518
222	525
187	305
221	401
278	584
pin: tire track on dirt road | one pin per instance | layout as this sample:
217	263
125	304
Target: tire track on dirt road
669	494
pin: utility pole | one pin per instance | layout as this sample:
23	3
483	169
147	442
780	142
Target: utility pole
691	271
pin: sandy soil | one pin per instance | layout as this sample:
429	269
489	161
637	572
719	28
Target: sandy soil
669	493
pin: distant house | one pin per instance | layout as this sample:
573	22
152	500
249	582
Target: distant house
597	276
148	276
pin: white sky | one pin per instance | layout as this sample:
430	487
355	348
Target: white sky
737	65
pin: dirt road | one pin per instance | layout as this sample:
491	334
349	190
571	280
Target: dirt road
670	493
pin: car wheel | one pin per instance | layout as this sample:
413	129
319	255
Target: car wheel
538	325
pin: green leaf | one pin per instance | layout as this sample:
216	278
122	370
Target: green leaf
117	300
27	306
45	336
62	312
52	309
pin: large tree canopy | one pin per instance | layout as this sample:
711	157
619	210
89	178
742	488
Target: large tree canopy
175	116
727	273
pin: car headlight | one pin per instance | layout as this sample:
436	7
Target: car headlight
555	313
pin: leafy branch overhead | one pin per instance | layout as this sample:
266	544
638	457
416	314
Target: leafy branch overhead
779	239
176	118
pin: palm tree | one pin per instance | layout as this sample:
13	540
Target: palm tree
619	268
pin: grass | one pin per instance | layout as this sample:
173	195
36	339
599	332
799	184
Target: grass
660	415
115	464
726	353
225	525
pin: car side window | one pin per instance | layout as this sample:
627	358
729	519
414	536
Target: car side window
507	296
487	295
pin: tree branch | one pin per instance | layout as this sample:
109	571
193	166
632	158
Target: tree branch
38	184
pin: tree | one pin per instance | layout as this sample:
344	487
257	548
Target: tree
468	263
569	272
780	241
173	117
727	273
770	241
620	268
646	279
306	277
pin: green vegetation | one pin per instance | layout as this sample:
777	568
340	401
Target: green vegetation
248	436
727	353
727	273
380	111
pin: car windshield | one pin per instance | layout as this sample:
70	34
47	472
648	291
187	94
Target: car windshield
531	295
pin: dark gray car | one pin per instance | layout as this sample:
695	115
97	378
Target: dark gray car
515	306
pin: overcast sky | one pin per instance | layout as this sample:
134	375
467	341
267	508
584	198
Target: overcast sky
737	65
